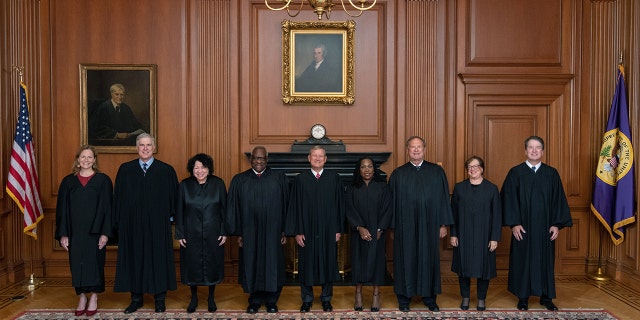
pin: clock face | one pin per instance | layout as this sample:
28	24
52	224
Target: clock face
318	131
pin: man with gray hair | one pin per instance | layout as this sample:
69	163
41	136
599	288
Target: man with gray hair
114	119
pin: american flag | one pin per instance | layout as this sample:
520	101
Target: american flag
22	185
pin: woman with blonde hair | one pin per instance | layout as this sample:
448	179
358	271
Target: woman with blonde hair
83	226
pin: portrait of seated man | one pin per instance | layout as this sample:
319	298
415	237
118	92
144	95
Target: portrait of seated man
324	74
113	122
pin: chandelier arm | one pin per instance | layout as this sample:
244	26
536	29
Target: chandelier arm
285	6
297	12
349	13
361	8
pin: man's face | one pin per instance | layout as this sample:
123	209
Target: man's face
534	151
317	54
117	96
145	149
415	150
259	160
317	159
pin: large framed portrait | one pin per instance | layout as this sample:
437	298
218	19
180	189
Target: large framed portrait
317	62
117	103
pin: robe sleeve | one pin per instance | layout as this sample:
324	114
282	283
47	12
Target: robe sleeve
179	212
340	194
496	214
385	207
444	202
118	194
561	215
392	189
353	216
283	184
223	203
293	225
510	206
234	227
454	210
62	211
102	223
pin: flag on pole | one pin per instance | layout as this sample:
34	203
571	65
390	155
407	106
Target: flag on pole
613	195
22	185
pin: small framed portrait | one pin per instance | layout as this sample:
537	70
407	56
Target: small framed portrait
117	103
317	62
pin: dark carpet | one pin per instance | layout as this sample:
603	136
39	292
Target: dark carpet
144	314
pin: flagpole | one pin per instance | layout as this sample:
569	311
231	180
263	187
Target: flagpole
32	283
599	275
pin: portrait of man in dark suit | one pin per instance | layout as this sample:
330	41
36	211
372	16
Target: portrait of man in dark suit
114	120
319	64
118	104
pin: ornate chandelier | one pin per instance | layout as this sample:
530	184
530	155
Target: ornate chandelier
321	7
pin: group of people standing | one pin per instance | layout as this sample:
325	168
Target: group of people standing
260	208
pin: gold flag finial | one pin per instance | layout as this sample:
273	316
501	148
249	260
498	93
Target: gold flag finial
620	58
20	71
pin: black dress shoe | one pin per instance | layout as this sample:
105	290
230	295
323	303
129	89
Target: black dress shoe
433	307
326	306
160	307
464	305
272	308
523	304
305	307
212	306
482	306
191	308
253	308
549	304
357	308
133	307
404	308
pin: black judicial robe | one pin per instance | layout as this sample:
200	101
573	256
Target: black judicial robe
477	219
368	206
143	205
83	214
200	215
316	210
535	200
256	211
420	206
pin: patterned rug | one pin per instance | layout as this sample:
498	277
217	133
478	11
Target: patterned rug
54	314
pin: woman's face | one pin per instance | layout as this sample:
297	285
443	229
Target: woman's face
474	170
200	172
366	170
86	159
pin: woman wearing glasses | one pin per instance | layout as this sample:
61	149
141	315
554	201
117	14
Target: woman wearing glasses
477	215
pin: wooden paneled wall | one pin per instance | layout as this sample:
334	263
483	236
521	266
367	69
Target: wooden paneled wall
473	77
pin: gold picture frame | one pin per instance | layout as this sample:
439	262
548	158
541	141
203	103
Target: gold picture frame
112	127
309	81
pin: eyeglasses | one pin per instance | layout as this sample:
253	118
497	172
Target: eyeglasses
473	167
